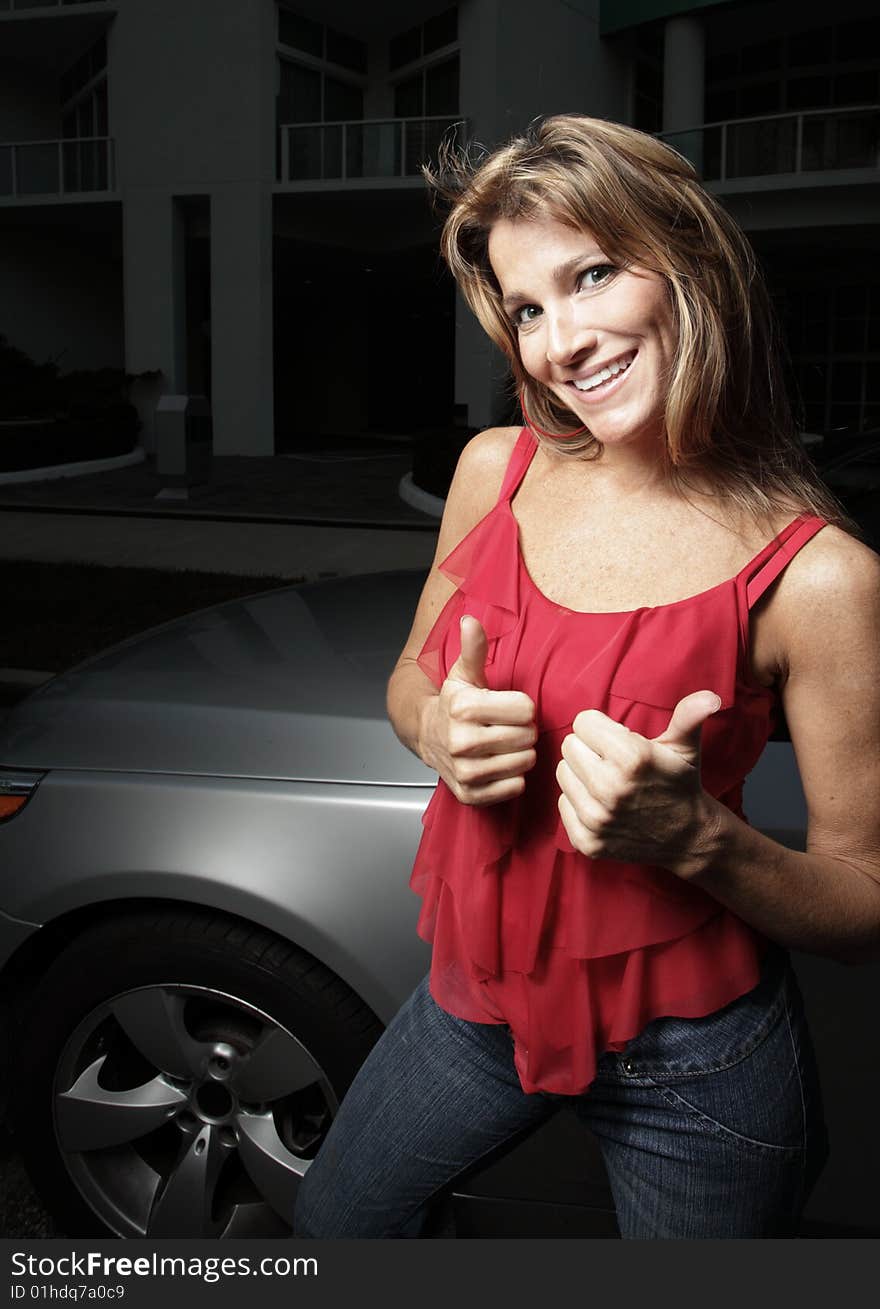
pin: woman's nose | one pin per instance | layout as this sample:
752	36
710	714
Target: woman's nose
568	339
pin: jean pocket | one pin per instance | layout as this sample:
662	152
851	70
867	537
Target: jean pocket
758	1102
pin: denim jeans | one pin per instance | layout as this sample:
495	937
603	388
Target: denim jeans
709	1127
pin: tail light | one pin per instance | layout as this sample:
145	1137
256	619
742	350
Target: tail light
16	788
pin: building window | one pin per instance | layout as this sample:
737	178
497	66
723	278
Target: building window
431	89
324	87
418	42
648	78
430	93
84	95
314	93
82	75
84	116
311	95
834	340
320	41
833	66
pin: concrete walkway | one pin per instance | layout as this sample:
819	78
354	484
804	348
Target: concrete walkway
246	549
319	513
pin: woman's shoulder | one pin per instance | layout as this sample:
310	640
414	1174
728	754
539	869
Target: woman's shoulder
821	615
834	561
480	470
832	582
488	453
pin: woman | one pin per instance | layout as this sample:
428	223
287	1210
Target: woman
624	591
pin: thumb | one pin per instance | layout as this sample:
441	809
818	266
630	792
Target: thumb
470	664
685	726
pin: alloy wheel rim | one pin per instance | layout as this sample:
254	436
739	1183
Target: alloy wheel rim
184	1111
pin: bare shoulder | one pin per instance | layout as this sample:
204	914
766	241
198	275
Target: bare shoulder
486	456
479	474
832	571
825	608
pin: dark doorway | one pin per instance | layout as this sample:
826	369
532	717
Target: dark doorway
364	342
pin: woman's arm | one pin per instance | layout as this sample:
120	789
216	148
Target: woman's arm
827	900
625	797
480	741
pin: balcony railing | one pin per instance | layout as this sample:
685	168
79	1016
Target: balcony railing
17	5
815	141
57	168
362	148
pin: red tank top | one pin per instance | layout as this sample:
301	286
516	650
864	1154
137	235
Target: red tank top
575	954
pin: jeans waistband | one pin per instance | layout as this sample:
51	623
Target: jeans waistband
670	1048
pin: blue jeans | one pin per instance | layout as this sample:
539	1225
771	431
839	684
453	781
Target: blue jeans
709	1127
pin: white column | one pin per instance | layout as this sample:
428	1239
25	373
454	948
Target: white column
684	73
155	303
684	81
241	320
480	370
512	69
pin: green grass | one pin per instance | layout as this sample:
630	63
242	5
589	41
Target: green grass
57	614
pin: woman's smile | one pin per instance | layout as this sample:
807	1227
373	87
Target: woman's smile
599	336
603	378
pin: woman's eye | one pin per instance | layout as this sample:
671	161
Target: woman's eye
592	277
525	314
598	274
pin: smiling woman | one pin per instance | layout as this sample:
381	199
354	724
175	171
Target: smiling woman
626	590
633	203
600	339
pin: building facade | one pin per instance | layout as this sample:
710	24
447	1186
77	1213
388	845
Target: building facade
226	192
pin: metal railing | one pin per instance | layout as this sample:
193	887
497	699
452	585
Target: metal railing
67	167
815	140
359	148
18	5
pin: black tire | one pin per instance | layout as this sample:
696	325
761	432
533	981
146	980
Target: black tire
179	1069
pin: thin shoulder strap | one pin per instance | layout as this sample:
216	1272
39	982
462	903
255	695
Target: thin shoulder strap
520	458
766	567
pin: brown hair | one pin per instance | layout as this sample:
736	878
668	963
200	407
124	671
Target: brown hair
727	412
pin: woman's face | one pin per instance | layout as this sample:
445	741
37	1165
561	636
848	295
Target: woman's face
601	338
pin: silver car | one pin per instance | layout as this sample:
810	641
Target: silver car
205	845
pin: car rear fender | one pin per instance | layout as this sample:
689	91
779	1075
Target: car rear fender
324	865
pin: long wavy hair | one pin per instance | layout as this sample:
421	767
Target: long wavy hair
728	419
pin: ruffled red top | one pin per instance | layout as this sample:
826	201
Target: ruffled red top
576	954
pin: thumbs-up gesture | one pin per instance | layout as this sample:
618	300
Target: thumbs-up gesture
630	798
480	741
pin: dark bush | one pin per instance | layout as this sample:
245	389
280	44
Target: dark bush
91	393
27	389
88	414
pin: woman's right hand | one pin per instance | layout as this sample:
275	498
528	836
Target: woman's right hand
480	741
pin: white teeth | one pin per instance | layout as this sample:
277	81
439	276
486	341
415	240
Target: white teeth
604	374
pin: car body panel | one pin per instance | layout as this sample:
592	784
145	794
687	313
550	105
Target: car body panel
285	684
318	864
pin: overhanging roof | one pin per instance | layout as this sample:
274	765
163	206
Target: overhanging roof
616	15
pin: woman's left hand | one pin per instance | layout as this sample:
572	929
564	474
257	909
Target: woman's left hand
638	800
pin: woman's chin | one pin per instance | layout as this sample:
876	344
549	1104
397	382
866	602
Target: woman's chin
625	429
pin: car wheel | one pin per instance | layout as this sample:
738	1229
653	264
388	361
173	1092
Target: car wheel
180	1072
